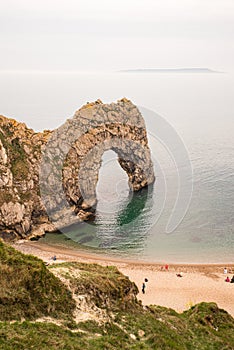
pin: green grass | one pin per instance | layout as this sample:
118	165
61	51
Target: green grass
26	335
205	326
29	290
16	154
153	329
43	336
19	164
107	287
18	161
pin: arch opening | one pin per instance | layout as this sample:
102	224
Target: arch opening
133	158
112	185
73	156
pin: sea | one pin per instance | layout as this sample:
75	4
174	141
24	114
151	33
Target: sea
187	216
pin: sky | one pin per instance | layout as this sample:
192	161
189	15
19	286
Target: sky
82	36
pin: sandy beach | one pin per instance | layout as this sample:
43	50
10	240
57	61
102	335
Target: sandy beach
198	283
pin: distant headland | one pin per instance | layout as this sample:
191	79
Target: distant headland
169	70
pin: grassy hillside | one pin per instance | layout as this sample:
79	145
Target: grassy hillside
156	328
118	319
105	287
29	290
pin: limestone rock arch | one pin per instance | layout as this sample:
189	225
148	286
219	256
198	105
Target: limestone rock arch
77	149
121	130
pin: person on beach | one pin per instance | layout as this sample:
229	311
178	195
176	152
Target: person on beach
225	271
227	279
179	274
143	287
232	280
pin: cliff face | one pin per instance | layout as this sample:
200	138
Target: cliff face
21	210
69	166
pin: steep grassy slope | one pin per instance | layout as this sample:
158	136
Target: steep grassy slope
105	287
29	290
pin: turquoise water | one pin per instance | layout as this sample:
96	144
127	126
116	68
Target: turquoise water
200	108
130	225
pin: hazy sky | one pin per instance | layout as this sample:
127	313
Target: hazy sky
99	35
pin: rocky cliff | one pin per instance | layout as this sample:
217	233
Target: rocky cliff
62	166
21	211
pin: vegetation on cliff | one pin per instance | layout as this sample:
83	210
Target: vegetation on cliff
20	153
105	287
28	290
95	307
17	140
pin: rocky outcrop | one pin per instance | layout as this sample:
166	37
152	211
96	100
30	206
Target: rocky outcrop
21	209
40	173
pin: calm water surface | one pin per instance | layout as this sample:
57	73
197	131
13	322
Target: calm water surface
200	107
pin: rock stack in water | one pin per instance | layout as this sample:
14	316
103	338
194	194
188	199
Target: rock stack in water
65	163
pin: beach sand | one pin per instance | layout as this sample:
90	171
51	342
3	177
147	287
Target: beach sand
199	283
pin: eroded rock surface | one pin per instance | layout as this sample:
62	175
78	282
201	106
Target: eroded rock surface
44	174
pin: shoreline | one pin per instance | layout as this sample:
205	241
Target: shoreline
68	252
200	282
